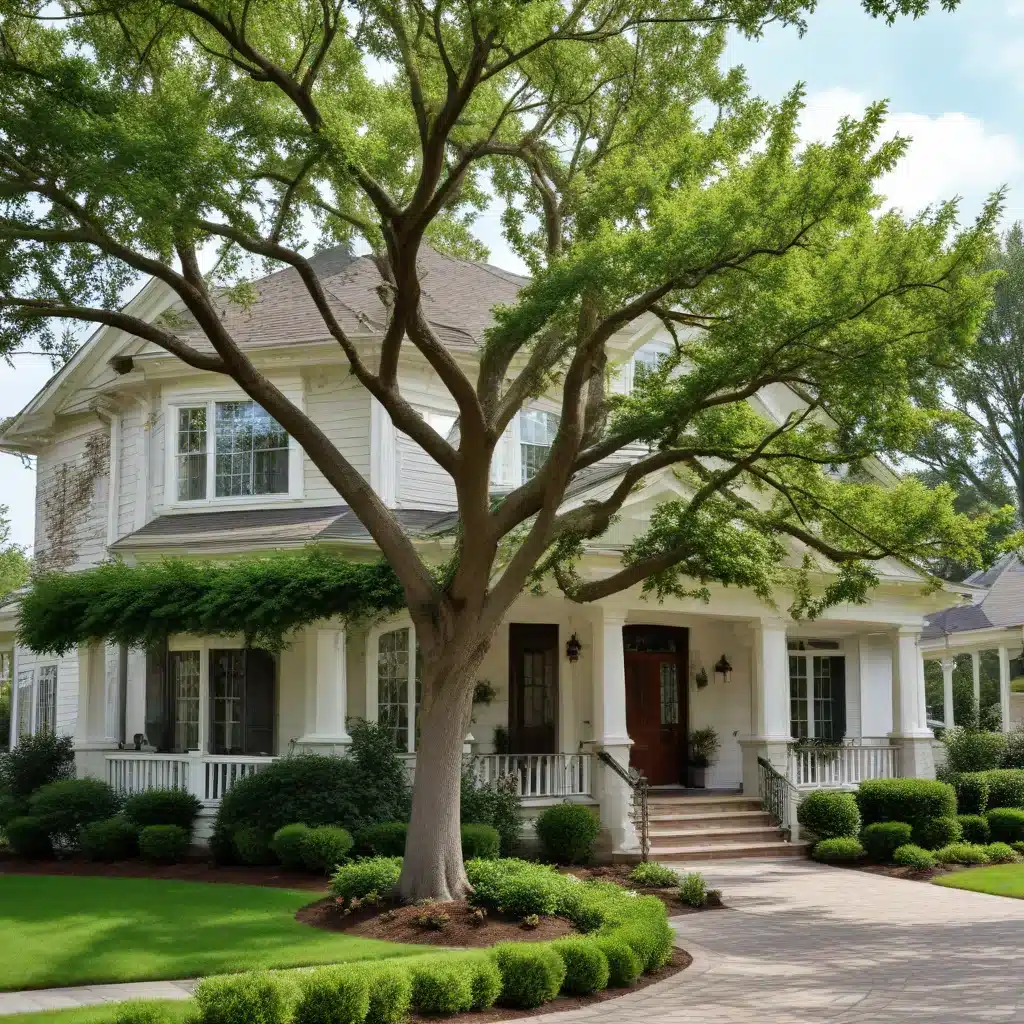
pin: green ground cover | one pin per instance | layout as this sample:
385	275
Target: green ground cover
998	880
60	930
102	1014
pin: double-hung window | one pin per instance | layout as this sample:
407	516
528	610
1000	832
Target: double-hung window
537	431
26	685
229	449
399	689
817	690
46	700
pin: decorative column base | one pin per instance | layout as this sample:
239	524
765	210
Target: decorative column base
917	758
331	746
617	805
775	751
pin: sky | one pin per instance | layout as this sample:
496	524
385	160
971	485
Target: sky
954	84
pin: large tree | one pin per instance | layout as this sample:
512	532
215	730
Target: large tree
640	180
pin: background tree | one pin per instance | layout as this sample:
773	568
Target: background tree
14	572
159	137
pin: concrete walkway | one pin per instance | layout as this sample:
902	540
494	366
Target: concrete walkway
801	943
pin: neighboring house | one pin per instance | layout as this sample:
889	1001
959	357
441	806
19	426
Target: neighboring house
140	456
993	621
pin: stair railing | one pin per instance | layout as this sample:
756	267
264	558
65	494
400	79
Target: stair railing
779	797
638	785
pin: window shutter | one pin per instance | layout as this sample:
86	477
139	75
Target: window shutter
159	719
259	702
838	672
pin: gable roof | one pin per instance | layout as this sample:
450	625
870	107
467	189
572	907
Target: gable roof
1002	607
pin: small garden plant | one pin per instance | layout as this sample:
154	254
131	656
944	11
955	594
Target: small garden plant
652	875
693	890
567	833
844	850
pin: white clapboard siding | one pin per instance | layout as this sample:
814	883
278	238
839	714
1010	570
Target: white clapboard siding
340	406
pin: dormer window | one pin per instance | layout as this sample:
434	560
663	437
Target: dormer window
229	449
537	431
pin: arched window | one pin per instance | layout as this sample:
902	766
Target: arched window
398	685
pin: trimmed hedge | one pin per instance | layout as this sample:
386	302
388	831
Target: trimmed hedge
1005	787
286	846
324	848
480	841
29	837
913	857
114	839
586	966
1006	824
385	839
531	974
66	805
163	807
914	801
141	1011
374	876
252	846
971	792
441	985
567	833
829	814
166	843
882	838
974	828
843	850
624	965
962	853
972	750
938	832
333	995
390	990
252	998
1001	853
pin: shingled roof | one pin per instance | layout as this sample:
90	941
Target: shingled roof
1001	607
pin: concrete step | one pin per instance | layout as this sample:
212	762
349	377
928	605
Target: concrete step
712	837
692	806
721	819
729	851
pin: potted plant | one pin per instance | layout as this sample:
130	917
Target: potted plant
703	749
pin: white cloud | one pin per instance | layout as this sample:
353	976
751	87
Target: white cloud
950	155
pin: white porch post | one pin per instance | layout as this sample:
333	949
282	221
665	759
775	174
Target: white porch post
1004	687
976	679
610	707
909	715
770	729
328	703
948	664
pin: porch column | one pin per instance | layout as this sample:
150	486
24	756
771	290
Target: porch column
610	708
770	730
327	700
1004	687
976	679
948	664
910	730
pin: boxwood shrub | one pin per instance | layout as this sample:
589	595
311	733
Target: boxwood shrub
843	850
624	965
485	980
324	848
441	985
333	995
166	843
286	845
114	839
141	1011
1005	787
829	814
390	991
531	973
29	837
252	998
971	792
972	750
1006	824
911	800
163	807
974	828
480	841
567	833
252	846
913	857
374	875
937	832
962	853
385	839
68	804
1001	853
882	838
586	966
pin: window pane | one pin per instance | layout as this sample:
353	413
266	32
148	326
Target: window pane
184	671
252	451
536	433
393	685
669	693
227	687
26	680
46	707
798	697
824	706
191	454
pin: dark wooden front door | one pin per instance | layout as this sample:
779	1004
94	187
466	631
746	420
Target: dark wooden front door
532	688
656	701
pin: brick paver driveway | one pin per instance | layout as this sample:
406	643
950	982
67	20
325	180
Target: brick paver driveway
803	943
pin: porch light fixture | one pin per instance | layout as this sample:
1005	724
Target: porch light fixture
573	648
723	669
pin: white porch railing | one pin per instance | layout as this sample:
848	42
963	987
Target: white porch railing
208	776
539	775
842	766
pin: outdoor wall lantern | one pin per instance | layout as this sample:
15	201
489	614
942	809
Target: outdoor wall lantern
573	648
723	669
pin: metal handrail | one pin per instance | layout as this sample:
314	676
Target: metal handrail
775	791
638	784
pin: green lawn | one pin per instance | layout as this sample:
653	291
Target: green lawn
60	930
103	1014
998	880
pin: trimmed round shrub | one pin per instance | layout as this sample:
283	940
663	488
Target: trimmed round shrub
938	832
971	793
386	839
974	828
141	1011
624	965
693	889
480	841
286	845
1005	787
390	991
962	853
972	750
829	814
251	998
1001	853
1013	755
567	833
166	843
29	837
653	876
838	851
441	985
252	846
881	838
531	975
68	804
33	763
324	848
1006	824
333	995
531	892
911	856
586	966
485	981
911	800
374	875
114	839
163	807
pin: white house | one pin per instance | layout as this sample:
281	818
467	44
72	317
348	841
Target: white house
140	456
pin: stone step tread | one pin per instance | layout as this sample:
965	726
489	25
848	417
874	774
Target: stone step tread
709	816
744	830
721	798
723	851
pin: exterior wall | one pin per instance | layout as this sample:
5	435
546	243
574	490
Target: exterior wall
67	686
875	667
340	406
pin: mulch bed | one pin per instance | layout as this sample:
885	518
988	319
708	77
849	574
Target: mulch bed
189	870
399	924
620	873
910	874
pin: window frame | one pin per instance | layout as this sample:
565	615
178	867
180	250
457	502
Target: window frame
413	682
52	673
209	400
24	705
806	651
